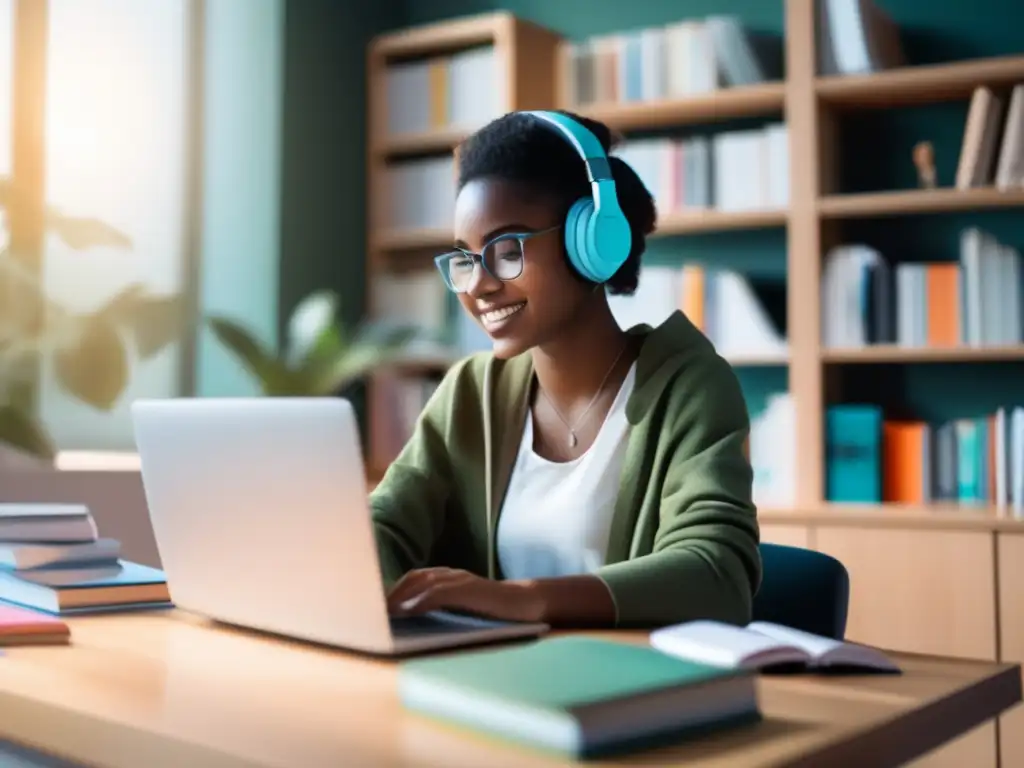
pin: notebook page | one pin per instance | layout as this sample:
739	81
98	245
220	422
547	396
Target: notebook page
714	643
815	645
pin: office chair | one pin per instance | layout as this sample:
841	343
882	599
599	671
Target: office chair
803	589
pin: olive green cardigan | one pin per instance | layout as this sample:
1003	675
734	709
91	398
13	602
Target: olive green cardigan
684	534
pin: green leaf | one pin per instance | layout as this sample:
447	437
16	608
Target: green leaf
95	369
374	347
312	317
122	308
152	321
23	301
20	431
20	393
273	375
158	322
328	348
78	232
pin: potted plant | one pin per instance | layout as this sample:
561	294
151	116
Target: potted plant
90	351
320	356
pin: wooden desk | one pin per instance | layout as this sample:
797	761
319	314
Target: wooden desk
165	691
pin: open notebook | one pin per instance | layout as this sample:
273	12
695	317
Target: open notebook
762	645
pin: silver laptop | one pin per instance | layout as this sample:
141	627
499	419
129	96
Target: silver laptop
260	511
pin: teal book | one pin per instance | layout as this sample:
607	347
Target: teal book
579	696
853	442
969	481
66	590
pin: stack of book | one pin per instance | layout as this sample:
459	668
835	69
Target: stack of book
53	559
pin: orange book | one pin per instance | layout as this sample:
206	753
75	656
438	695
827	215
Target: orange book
693	294
21	626
438	77
903	457
943	300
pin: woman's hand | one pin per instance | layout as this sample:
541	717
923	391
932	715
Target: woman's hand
432	589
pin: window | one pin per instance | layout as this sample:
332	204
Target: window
115	144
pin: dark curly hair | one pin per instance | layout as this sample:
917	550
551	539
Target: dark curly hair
519	148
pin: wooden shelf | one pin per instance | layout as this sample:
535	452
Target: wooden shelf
927	516
919	85
725	104
434	142
410	239
902	202
888	353
697	222
430	39
766	360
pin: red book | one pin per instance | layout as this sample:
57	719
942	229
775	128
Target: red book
21	626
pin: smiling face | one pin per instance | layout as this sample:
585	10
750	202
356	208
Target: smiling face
533	308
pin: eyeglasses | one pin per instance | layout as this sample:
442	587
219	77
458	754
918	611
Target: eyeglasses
502	258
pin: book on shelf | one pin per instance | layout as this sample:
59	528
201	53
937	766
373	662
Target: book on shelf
764	646
417	299
856	37
52	559
970	461
980	147
1010	166
398	403
418	194
992	150
579	696
723	304
684	58
853	453
460	91
773	452
731	171
974	301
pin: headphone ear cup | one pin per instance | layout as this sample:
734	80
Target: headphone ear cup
577	232
612	239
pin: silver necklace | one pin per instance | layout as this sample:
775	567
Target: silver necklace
573	440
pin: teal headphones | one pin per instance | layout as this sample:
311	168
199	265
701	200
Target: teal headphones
597	233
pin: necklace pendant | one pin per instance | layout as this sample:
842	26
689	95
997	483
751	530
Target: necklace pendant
573	442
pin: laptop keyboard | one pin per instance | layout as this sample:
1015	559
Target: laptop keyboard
438	623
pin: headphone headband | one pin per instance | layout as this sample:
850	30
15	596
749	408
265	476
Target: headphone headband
597	234
586	144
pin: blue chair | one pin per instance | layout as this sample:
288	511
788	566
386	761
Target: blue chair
803	589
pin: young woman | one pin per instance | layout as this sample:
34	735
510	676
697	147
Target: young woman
580	473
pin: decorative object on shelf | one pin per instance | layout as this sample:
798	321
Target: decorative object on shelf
924	161
90	351
320	357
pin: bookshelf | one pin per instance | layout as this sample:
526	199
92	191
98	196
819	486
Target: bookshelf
520	60
932	578
535	63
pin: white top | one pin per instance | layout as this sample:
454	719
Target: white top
557	515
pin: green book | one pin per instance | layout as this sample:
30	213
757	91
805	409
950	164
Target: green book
579	696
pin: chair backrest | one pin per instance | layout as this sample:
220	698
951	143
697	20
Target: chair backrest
803	589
